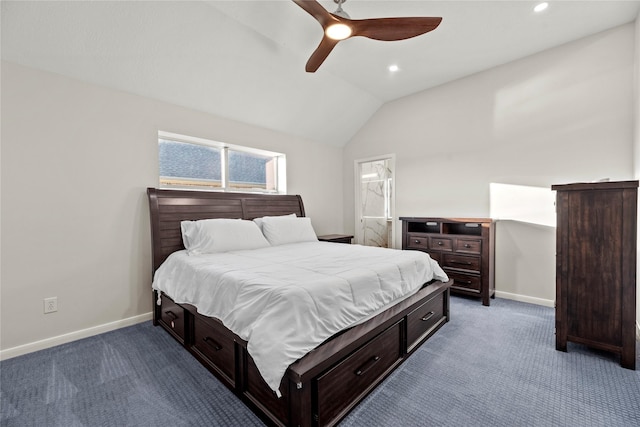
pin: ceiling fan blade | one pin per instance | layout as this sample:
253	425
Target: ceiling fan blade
315	9
386	29
320	54
389	29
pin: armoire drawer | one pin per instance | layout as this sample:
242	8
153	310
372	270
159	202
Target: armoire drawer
172	317
357	374
421	321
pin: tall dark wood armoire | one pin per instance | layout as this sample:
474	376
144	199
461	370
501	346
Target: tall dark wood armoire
596	267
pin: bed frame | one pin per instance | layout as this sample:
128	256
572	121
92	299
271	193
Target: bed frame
320	388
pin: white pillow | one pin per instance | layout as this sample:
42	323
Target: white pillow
209	236
285	229
260	220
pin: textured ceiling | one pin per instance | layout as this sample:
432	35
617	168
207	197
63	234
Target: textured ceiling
244	60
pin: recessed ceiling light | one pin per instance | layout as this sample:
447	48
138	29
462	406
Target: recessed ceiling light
393	68
540	7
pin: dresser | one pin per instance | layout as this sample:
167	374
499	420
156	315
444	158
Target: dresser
464	248
596	267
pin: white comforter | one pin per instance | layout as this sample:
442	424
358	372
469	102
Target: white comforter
286	300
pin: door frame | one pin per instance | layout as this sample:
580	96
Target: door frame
357	182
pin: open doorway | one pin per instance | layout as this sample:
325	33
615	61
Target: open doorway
375	201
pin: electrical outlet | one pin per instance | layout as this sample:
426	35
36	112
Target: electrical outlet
50	305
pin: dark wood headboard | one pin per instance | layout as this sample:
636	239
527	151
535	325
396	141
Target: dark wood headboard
168	207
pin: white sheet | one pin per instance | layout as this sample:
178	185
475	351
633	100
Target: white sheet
286	300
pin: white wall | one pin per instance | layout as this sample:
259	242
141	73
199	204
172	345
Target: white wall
559	116
76	161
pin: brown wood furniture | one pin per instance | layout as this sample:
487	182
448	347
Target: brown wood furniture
464	248
336	238
596	267
320	388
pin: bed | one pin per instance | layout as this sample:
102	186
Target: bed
320	386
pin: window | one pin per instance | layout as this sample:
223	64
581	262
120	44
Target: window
187	162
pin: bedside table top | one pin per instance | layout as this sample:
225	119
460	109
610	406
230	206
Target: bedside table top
335	236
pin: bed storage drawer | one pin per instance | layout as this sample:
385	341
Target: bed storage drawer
356	375
258	392
424	320
172	317
212	343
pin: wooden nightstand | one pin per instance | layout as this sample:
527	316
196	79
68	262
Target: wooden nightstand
336	238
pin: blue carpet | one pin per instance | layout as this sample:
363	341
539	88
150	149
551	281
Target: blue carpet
489	366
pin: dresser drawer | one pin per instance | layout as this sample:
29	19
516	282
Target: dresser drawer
212	342
471	246
466	282
357	374
421	321
417	242
461	261
436	256
440	243
172	317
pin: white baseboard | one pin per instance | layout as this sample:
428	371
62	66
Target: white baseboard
73	336
524	298
637	331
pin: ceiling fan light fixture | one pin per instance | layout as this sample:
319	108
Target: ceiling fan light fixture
338	31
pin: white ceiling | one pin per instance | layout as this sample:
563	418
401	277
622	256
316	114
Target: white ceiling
244	60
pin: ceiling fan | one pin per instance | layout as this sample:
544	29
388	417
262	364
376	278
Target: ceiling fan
339	26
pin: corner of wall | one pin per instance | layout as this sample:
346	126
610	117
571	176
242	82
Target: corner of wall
636	143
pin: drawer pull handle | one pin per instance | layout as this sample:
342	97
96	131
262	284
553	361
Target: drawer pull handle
212	343
468	282
466	245
428	316
439	243
367	365
416	241
453	261
173	317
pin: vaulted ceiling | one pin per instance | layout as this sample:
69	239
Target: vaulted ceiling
245	60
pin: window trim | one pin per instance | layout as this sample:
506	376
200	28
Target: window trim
280	169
